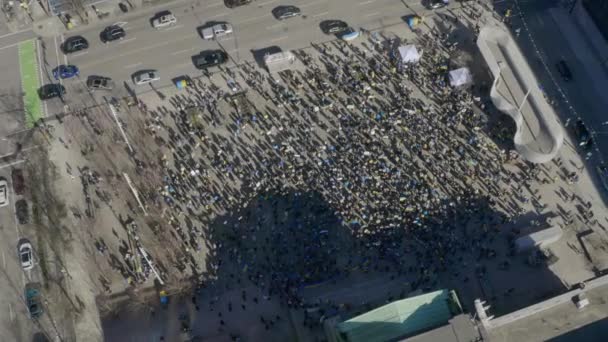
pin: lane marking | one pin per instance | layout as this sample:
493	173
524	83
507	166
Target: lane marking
181	51
172	28
255	18
278	39
127	40
266	2
13	163
131	66
320	14
272	27
80	54
218	15
371	14
44	104
134	51
14	33
10	46
366	2
311	3
121	23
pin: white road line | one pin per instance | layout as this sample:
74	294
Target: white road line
254	18
217	4
172	28
266	2
65	57
127	40
10	312
218	15
272	27
311	3
44	105
57	56
320	14
278	39
371	14
14	33
80	54
121	23
9	46
131	66
180	51
366	2
11	164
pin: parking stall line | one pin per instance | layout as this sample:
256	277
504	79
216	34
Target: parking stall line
127	40
278	39
131	66
172	28
311	3
272	27
254	18
266	2
366	2
65	57
80	54
180	52
371	14
320	14
218	15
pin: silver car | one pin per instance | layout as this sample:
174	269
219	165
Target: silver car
3	193
25	255
145	77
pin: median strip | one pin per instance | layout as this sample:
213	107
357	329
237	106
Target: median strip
30	82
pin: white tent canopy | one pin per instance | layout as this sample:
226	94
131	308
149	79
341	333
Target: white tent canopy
460	77
279	61
409	54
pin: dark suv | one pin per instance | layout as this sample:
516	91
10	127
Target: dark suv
74	44
49	91
236	3
209	58
112	33
564	70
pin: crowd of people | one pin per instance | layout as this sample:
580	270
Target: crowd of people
349	162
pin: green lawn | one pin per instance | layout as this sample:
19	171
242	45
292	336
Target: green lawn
30	82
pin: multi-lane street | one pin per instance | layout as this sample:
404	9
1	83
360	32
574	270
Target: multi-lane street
170	50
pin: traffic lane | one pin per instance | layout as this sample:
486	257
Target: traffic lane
9	40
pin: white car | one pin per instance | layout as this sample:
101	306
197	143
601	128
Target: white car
217	31
165	20
3	193
25	255
145	77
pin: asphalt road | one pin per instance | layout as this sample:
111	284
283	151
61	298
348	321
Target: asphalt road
170	50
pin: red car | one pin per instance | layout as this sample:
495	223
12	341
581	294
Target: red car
18	181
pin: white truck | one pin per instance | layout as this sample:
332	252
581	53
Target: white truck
216	31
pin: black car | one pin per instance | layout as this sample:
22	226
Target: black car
564	70
49	91
74	44
23	214
209	58
112	33
583	136
333	26
236	3
284	12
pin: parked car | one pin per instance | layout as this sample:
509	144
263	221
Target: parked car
236	3
112	33
564	70
49	91
217	31
26	255
18	181
209	58
284	12
436	4
583	136
74	44
65	71
3	193
33	300
333	26
23	214
163	19
99	83
145	77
